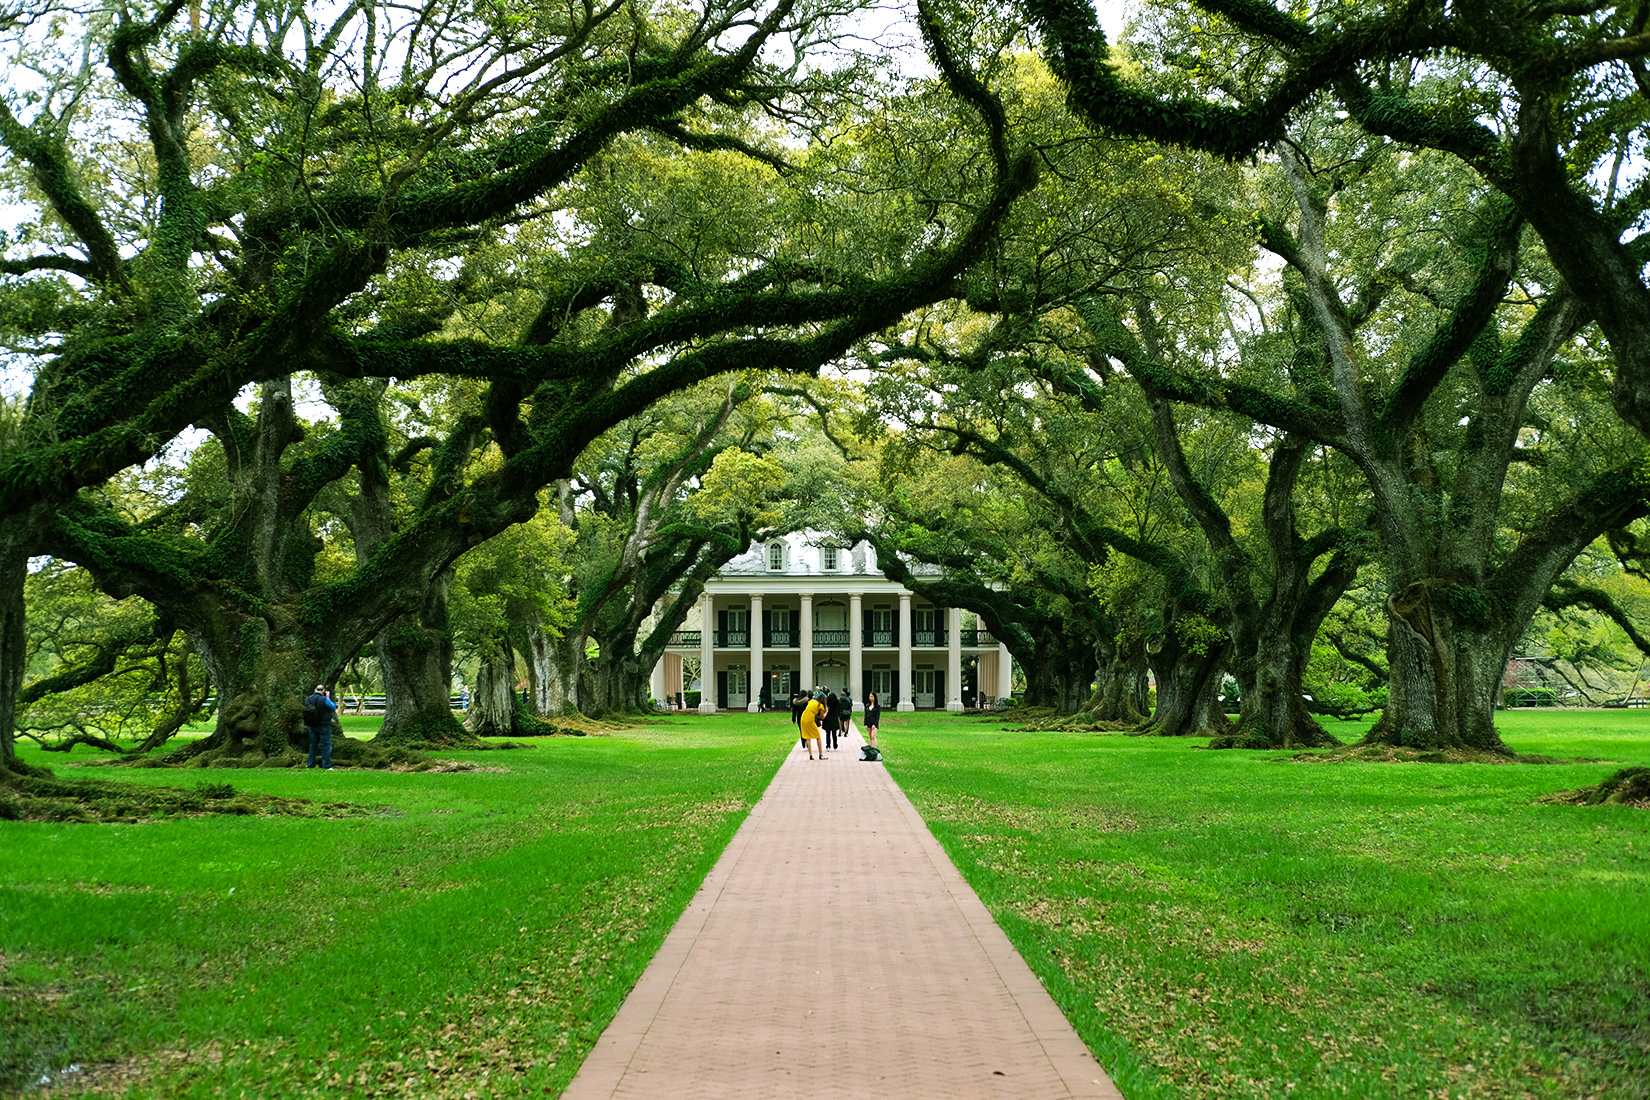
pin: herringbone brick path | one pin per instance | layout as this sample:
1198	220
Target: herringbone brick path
834	951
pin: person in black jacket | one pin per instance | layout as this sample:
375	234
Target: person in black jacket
831	720
873	716
318	711
799	703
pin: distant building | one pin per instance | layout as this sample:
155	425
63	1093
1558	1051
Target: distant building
804	611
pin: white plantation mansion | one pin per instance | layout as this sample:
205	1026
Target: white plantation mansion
803	611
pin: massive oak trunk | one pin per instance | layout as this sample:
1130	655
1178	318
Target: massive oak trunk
1446	666
493	706
1058	675
1188	689
14	567
540	671
262	665
415	654
1273	710
564	673
1122	680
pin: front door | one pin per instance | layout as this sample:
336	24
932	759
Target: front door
738	688
831	675
922	688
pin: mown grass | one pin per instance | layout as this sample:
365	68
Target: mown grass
1235	924
472	937
1215	924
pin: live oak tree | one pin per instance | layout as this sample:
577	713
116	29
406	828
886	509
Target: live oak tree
656	507
1542	101
293	172
1029	593
1420	369
509	598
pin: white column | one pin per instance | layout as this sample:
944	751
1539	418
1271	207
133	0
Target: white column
1005	672
658	685
953	659
903	691
856	645
755	681
806	626
707	655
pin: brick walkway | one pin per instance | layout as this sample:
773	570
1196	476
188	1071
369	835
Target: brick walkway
834	951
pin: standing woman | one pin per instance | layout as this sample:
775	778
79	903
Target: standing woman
873	717
831	721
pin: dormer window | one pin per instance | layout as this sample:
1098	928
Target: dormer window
829	558
776	557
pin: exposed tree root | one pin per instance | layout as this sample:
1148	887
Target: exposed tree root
1250	733
1398	754
1627	787
44	797
346	753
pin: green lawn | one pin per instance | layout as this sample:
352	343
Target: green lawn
1215	924
472	938
1237	924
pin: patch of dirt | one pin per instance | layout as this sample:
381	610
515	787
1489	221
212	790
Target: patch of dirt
1396	754
439	767
114	1078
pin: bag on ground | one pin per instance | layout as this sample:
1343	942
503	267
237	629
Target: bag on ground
870	752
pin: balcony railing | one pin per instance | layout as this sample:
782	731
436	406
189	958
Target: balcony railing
829	639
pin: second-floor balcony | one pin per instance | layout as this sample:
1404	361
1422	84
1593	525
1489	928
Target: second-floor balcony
831	639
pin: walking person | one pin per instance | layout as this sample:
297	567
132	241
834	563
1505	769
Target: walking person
873	716
318	713
831	721
810	725
847	714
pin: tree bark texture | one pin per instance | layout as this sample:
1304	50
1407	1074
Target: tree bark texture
1188	690
1061	670
493	706
415	657
1122	679
14	567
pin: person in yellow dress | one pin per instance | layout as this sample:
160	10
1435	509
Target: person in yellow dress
810	724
